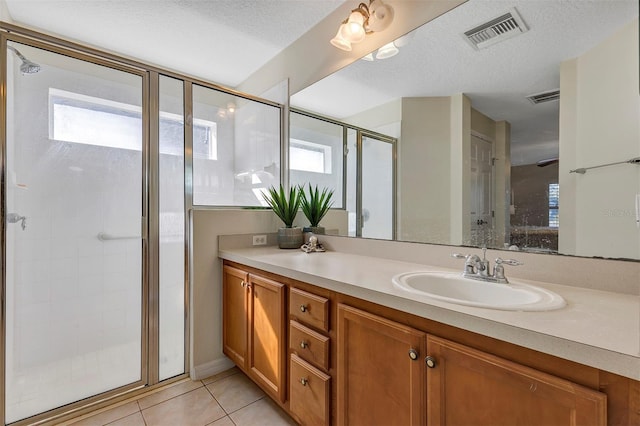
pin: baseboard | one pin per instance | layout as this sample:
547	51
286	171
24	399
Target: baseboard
210	368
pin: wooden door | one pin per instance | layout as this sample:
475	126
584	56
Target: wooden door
267	335
380	371
235	312
470	387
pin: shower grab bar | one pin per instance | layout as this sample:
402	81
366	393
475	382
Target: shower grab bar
103	236
583	170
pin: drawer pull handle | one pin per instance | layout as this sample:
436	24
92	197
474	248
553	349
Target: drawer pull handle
304	381
413	354
304	308
430	361
304	345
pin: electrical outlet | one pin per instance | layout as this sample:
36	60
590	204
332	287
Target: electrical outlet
259	240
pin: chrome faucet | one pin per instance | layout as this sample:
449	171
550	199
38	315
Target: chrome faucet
480	269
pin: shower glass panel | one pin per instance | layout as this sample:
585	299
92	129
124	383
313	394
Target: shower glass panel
236	149
172	233
74	263
377	188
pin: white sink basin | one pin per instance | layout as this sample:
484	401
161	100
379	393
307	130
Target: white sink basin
453	288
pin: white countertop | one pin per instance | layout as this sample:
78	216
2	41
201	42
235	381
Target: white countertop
596	328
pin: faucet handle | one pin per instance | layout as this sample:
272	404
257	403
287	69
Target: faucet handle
512	262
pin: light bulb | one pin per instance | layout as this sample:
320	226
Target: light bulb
353	30
340	42
387	51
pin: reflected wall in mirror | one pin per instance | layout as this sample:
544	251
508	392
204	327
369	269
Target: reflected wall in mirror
489	134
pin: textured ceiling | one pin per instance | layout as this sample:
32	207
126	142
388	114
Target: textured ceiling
223	41
439	62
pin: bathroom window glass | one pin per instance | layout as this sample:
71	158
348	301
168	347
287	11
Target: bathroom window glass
316	154
309	157
96	121
247	147
554	196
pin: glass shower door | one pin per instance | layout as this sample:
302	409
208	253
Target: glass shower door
377	216
73	196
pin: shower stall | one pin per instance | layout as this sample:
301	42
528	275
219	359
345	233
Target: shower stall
93	251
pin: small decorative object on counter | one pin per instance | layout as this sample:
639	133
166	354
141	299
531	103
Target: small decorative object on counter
312	245
315	206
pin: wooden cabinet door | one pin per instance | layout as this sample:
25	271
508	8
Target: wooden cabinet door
267	335
235	312
470	387
380	371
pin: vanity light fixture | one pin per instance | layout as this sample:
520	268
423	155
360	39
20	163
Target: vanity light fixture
362	20
390	49
387	51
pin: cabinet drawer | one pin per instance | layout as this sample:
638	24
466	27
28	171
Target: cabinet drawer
309	392
309	309
309	345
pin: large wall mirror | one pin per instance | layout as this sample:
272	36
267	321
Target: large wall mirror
495	105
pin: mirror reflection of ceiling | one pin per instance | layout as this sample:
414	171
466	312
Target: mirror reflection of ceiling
438	61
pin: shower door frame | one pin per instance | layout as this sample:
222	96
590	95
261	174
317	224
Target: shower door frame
63	411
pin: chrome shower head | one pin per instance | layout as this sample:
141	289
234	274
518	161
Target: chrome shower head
27	66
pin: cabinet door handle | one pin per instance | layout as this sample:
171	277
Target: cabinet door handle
304	308
243	284
413	354
304	345
430	361
304	381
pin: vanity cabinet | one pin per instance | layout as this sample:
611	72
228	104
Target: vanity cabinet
348	361
380	370
466	386
254	322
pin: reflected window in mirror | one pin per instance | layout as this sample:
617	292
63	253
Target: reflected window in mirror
315	154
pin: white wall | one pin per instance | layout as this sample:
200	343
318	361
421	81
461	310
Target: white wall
597	211
423	170
4	12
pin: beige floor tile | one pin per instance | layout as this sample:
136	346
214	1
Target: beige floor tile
196	408
219	376
264	413
168	393
225	421
110	415
235	392
132	420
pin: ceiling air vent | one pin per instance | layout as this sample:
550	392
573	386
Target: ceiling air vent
496	30
548	96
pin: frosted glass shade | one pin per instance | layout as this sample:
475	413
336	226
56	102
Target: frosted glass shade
340	42
387	51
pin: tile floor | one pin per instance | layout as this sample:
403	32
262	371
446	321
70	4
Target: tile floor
226	399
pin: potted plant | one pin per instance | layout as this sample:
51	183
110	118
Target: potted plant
315	206
285	206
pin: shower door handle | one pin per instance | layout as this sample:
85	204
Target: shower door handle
15	218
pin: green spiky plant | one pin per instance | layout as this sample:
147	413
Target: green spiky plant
315	205
284	205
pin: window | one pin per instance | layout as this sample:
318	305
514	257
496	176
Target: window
554	195
95	121
309	157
